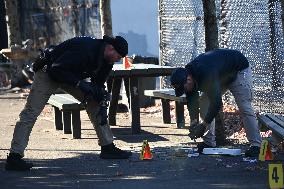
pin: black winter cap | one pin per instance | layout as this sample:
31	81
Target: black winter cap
178	79
119	44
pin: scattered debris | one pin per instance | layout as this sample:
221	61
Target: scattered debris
193	155
250	160
201	169
5	82
183	151
255	168
219	160
118	173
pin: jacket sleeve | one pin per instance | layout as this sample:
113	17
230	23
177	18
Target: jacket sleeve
214	95
100	77
67	68
193	105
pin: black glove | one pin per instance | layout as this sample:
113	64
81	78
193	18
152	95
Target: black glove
197	130
86	87
91	91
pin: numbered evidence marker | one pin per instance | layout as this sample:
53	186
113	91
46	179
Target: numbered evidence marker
275	172
146	153
265	151
143	149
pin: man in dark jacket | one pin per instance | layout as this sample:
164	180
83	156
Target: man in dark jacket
211	74
67	66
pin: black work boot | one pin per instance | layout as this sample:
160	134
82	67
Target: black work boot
15	162
110	151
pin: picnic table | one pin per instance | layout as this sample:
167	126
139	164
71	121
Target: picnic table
132	75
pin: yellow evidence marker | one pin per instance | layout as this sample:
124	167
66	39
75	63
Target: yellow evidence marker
265	151
275	172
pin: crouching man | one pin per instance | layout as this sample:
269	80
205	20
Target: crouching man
211	74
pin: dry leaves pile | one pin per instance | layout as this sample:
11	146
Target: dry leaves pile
232	120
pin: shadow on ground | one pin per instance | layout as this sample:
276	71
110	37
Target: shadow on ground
86	170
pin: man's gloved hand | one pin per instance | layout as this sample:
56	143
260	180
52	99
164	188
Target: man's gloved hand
197	130
91	90
86	87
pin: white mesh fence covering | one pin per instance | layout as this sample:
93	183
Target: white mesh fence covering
252	26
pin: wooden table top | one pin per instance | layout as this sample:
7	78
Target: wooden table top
150	70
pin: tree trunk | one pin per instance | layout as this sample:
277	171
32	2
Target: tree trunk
273	45
211	41
14	34
224	24
3	29
106	22
3	26
210	23
106	26
14	37
75	17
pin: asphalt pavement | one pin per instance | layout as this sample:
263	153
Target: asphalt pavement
63	162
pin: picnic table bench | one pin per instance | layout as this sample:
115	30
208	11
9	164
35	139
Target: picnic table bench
67	114
274	122
167	95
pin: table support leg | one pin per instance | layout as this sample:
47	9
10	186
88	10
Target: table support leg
58	119
76	124
134	105
180	114
67	122
166	111
114	101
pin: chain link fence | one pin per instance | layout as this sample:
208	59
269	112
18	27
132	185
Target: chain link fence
252	26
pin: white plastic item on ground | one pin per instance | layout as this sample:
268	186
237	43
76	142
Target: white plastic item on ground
222	151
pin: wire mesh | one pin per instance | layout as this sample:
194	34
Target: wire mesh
252	26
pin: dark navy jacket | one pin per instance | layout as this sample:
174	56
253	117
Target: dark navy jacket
79	58
213	71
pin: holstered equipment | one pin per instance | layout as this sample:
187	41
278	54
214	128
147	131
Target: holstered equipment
103	108
43	60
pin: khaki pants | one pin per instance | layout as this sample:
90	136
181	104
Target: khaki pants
43	87
241	89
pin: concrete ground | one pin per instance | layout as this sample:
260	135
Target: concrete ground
62	162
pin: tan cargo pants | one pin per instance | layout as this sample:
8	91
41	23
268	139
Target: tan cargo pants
43	87
241	89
